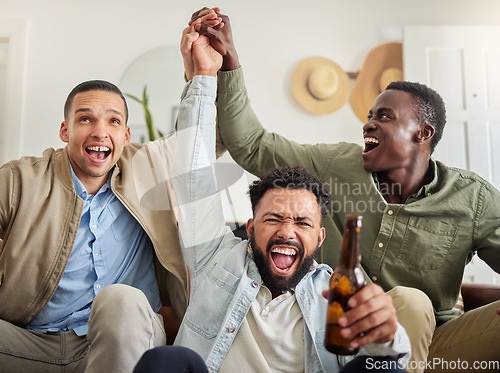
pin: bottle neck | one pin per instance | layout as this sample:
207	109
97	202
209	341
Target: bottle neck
350	252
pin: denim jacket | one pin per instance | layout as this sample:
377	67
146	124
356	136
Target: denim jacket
224	277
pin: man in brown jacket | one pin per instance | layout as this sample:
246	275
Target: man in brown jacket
88	255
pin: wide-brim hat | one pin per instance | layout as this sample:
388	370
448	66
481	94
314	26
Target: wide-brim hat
382	65
320	85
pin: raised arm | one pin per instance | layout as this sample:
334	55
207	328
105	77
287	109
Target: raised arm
250	145
248	142
201	220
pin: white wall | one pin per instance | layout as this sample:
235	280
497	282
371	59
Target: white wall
70	41
3	87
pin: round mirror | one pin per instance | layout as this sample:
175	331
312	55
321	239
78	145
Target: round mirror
161	71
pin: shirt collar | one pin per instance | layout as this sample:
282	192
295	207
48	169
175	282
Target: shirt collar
433	185
80	189
291	291
425	190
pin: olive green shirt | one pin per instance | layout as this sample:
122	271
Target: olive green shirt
424	243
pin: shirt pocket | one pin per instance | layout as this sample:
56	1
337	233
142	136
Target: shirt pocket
216	290
426	243
114	219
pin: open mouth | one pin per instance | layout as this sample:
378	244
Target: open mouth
98	152
370	144
283	258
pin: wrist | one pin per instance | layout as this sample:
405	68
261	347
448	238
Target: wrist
230	61
207	72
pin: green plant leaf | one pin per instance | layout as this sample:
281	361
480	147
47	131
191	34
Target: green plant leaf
152	132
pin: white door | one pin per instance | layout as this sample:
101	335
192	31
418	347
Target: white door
462	63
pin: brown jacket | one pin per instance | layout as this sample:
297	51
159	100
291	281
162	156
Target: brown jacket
39	218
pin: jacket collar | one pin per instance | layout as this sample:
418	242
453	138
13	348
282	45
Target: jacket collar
63	169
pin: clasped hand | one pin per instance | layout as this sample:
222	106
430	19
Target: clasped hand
200	57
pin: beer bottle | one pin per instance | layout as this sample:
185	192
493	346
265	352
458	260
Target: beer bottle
346	280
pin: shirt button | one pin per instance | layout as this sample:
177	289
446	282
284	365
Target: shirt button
94	226
428	194
98	286
390	212
231	329
380	244
266	309
374	278
254	284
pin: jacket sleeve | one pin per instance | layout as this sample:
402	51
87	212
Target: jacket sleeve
202	225
487	226
6	188
399	348
250	145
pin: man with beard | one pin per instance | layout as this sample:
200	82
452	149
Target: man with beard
258	306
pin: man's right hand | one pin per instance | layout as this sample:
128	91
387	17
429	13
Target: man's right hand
200	58
220	35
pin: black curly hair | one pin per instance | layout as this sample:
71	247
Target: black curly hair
287	177
429	104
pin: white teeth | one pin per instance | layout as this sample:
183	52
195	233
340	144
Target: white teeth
371	140
284	251
98	148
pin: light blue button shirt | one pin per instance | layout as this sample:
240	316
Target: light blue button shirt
110	247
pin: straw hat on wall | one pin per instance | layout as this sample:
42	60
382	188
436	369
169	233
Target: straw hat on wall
383	65
320	85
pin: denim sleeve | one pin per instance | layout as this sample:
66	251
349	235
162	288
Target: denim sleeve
201	219
398	348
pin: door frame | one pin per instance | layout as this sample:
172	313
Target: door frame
14	31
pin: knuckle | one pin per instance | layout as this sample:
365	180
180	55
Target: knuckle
370	303
372	319
388	299
199	12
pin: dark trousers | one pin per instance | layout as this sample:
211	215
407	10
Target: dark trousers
176	359
171	359
373	364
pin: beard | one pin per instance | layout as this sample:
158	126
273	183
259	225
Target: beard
276	282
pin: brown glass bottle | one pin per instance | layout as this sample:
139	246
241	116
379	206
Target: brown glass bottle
346	280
